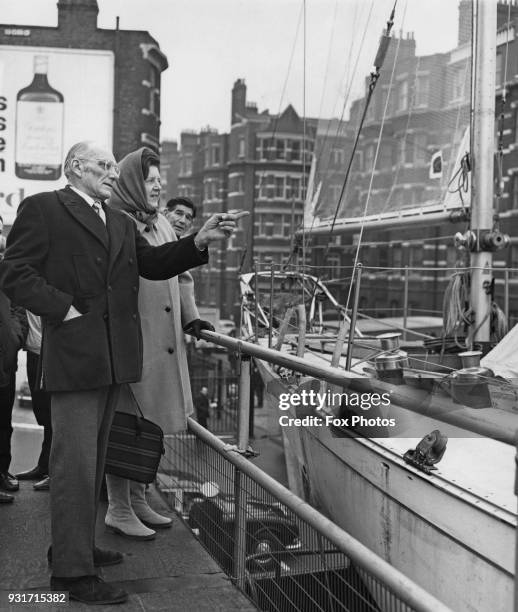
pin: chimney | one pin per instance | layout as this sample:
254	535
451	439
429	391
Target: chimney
74	13
465	22
238	101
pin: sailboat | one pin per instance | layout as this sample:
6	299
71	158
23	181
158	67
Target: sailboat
423	482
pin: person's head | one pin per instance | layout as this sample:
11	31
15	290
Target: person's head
92	169
180	213
151	171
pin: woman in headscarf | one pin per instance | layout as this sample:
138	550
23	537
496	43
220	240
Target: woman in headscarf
166	309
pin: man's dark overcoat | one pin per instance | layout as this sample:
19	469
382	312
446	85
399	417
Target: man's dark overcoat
59	252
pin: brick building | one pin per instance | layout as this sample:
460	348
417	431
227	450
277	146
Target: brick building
138	64
427	111
260	166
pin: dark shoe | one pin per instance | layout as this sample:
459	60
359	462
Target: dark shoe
89	590
42	485
102	557
8	482
35	474
5	498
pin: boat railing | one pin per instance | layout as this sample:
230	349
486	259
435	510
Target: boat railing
484	425
278	549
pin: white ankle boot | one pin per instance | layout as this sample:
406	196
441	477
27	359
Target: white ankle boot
142	509
120	517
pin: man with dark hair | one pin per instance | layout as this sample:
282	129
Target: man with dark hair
180	213
76	263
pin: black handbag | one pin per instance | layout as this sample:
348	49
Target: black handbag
135	446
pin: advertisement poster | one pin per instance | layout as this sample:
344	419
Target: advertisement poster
50	98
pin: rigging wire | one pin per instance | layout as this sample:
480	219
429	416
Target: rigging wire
345	102
274	132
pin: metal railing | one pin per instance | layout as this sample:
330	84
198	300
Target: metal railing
279	550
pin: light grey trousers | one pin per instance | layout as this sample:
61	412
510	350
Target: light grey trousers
81	422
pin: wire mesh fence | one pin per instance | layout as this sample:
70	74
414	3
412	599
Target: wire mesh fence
275	556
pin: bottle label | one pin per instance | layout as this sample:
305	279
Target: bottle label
39	133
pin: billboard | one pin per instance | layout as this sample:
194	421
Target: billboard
50	98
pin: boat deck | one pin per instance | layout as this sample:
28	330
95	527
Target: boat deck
471	466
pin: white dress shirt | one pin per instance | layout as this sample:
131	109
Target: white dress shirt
91	202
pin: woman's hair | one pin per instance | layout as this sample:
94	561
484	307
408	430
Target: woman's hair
149	158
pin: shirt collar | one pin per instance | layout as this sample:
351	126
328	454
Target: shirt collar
85	196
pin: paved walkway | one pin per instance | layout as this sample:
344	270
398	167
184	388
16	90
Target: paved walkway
171	573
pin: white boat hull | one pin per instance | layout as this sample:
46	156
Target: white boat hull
447	536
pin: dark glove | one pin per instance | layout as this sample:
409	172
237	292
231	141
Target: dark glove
195	327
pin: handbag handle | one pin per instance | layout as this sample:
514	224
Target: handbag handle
135	400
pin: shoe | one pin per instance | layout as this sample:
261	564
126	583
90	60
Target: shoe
8	482
35	474
120	517
89	590
5	498
102	557
42	485
145	513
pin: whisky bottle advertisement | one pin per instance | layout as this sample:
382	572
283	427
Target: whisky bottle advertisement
39	127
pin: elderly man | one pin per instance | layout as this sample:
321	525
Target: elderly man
76	263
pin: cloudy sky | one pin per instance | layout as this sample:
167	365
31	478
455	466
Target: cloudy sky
211	43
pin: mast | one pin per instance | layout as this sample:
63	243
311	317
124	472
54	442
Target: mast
485	24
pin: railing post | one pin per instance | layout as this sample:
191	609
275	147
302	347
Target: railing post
506	295
354	314
270	316
256	300
244	402
516	541
405	303
239	490
301	340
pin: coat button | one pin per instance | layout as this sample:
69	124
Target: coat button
130	260
134	289
167	308
98	260
109	287
170	351
105	316
134	316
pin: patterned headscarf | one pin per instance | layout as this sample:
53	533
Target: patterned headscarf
129	193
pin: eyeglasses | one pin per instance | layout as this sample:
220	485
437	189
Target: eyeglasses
106	165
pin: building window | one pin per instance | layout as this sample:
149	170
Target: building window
513	204
422	90
498	70
333	265
279	187
215	155
458	84
295	150
337	157
385	162
420	150
402	103
241	147
369	157
280	151
293	188
186	164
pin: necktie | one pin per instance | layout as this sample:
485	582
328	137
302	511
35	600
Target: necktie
97	208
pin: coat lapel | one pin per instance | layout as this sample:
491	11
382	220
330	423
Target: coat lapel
84	214
116	232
